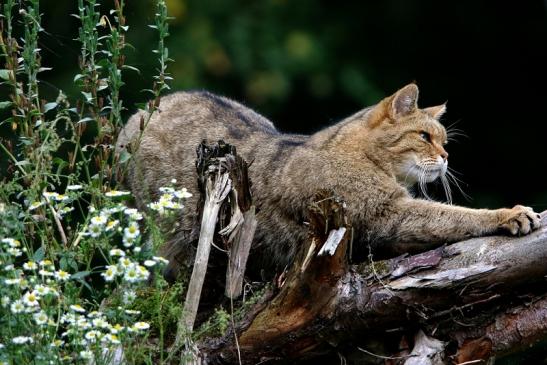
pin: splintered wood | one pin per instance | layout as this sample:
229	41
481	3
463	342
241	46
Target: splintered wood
222	174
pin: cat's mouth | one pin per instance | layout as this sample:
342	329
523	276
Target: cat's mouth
423	173
432	173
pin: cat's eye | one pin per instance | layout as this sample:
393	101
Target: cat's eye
426	136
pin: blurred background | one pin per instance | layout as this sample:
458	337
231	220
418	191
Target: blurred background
307	64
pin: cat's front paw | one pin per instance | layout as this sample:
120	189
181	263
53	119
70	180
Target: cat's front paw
519	220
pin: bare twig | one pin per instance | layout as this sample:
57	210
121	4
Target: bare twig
57	221
383	356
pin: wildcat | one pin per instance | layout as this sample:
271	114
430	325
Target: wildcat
370	159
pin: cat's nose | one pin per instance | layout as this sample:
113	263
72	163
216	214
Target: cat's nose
444	155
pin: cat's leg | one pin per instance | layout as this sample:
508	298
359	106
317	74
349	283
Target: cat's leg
426	221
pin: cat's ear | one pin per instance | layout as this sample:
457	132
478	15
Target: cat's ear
404	101
436	111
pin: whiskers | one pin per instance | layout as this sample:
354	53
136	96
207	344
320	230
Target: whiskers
446	187
422	181
451	177
447	179
452	133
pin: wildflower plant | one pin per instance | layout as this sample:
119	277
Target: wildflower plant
75	255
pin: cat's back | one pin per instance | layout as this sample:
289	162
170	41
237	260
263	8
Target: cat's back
167	144
197	115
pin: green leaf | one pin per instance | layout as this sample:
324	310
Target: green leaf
5	104
85	120
50	106
124	156
88	96
4	74
61	164
80	275
39	254
127	67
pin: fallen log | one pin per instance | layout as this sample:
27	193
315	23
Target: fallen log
457	294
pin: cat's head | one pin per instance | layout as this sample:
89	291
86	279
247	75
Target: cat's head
412	139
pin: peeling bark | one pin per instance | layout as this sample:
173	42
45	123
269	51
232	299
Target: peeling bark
471	294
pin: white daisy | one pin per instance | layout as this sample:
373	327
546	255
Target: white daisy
77	308
182	194
117	252
30	265
94	230
133	214
15	252
125	262
74	187
60	197
141	326
42	290
132	274
86	355
110	225
160	260
35	205
112	338
17	306
46	263
62	212
110	273
99	220
143	273
62	275
132	231
100	323
116	193
83	323
116	209
45	273
128	241
40	318
166	190
57	343
94	314
16	281
129	296
149	263
117	328
31	299
11	242
5	301
50	195
92	335
20	340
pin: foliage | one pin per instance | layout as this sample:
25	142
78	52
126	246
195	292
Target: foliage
78	281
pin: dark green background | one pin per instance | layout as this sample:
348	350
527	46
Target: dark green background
306	64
